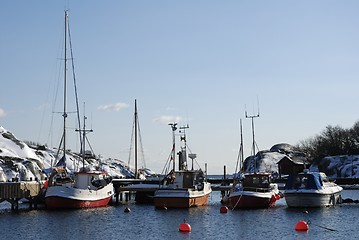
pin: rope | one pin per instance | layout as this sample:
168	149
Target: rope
330	229
237	202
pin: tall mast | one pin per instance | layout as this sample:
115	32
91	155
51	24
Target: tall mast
241	148
136	123
65	82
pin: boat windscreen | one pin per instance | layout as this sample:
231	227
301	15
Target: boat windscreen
303	181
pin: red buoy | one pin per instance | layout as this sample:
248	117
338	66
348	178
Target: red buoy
223	209
184	227
302	226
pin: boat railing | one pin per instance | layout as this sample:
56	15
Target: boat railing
256	189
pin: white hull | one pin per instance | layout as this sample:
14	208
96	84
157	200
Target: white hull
313	198
64	191
252	199
69	197
86	189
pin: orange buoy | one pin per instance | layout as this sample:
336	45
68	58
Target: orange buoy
127	210
223	209
302	226
184	227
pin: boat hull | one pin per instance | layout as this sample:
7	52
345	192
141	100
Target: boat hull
62	197
242	200
68	203
311	199
181	198
170	201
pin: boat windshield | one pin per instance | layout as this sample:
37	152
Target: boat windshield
256	181
304	181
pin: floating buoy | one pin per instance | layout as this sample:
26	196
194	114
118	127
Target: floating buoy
46	184
223	209
302	226
184	227
127	210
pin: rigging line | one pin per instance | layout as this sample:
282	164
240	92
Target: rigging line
169	159
88	142
238	156
58	151
56	91
75	85
58	68
131	142
141	145
240	150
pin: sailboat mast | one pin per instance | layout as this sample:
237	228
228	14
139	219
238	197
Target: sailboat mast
65	82
241	148
136	123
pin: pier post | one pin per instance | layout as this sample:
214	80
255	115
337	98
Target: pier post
117	193
224	180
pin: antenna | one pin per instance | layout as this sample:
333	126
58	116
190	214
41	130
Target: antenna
83	131
253	137
174	128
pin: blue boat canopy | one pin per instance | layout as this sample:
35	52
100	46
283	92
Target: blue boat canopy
306	180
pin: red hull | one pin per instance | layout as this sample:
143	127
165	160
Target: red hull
63	203
178	202
250	202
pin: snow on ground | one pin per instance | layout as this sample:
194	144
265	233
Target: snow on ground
23	162
343	166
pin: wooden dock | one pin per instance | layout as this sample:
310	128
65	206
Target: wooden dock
12	192
144	189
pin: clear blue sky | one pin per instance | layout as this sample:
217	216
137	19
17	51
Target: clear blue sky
196	62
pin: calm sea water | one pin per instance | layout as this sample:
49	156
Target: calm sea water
145	222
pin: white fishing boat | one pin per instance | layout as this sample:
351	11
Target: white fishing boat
311	189
252	190
255	191
85	188
182	188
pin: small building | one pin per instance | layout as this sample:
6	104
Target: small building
291	165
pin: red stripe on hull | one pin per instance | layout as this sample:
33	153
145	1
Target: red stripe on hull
63	203
177	202
250	202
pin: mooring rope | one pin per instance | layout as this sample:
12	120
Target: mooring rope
330	229
237	202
